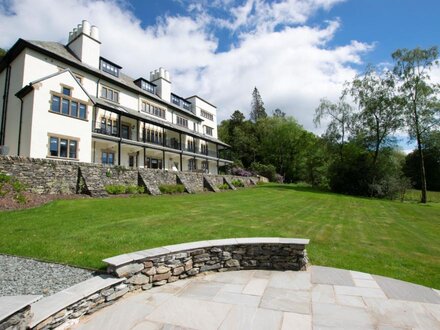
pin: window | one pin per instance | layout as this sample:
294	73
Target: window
109	94
182	121
125	131
209	130
175	99
192	164
82	111
78	78
186	105
191	146
63	147
204	149
56	101
66	105
153	163
107	158
207	115
148	87
153	110
74	109
205	166
110	68
154	136
67	91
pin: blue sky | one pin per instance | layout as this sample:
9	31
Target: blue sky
294	51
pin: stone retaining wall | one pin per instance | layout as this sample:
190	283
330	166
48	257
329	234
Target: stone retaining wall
155	267
47	176
144	269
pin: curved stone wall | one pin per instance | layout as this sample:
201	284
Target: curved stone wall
154	267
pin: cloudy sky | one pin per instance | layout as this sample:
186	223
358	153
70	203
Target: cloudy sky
294	51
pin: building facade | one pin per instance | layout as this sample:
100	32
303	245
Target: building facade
67	102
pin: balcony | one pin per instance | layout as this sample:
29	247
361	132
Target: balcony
159	139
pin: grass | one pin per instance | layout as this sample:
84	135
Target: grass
414	196
395	239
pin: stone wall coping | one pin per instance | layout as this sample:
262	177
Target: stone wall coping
10	305
160	251
48	306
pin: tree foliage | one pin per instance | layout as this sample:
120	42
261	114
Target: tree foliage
421	107
2	53
257	107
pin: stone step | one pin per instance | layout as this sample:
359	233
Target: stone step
229	183
208	183
90	177
151	186
181	179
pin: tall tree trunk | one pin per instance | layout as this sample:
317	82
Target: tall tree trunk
422	160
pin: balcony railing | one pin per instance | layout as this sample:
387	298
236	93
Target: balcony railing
172	143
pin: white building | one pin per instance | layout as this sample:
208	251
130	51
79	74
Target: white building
67	102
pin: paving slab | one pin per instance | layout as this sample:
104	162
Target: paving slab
256	299
190	313
287	300
296	321
341	317
256	286
333	276
396	289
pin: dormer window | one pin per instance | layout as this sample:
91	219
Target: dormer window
175	99
109	67
146	85
186	105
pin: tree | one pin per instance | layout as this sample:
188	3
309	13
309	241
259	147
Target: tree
341	115
2	53
257	107
278	113
379	115
420	108
431	155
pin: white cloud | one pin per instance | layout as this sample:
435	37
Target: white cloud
293	67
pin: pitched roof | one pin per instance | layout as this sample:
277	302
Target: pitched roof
62	53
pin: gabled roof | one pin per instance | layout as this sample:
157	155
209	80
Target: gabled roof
63	54
29	87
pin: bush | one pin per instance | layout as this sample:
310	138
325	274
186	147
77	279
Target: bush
267	171
115	189
237	183
172	188
10	185
223	186
121	189
240	171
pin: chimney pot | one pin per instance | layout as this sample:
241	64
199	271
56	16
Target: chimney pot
86	28
94	32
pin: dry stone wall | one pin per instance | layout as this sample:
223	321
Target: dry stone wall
46	176
155	267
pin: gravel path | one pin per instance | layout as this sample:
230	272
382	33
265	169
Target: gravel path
21	276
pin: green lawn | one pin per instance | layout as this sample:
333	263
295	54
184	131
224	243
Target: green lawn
395	239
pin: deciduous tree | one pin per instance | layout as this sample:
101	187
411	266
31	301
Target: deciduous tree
421	107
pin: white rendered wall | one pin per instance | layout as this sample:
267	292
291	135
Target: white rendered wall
13	113
47	123
200	105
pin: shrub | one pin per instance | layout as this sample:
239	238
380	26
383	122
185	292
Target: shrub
237	183
223	186
240	171
121	189
115	189
172	188
267	171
